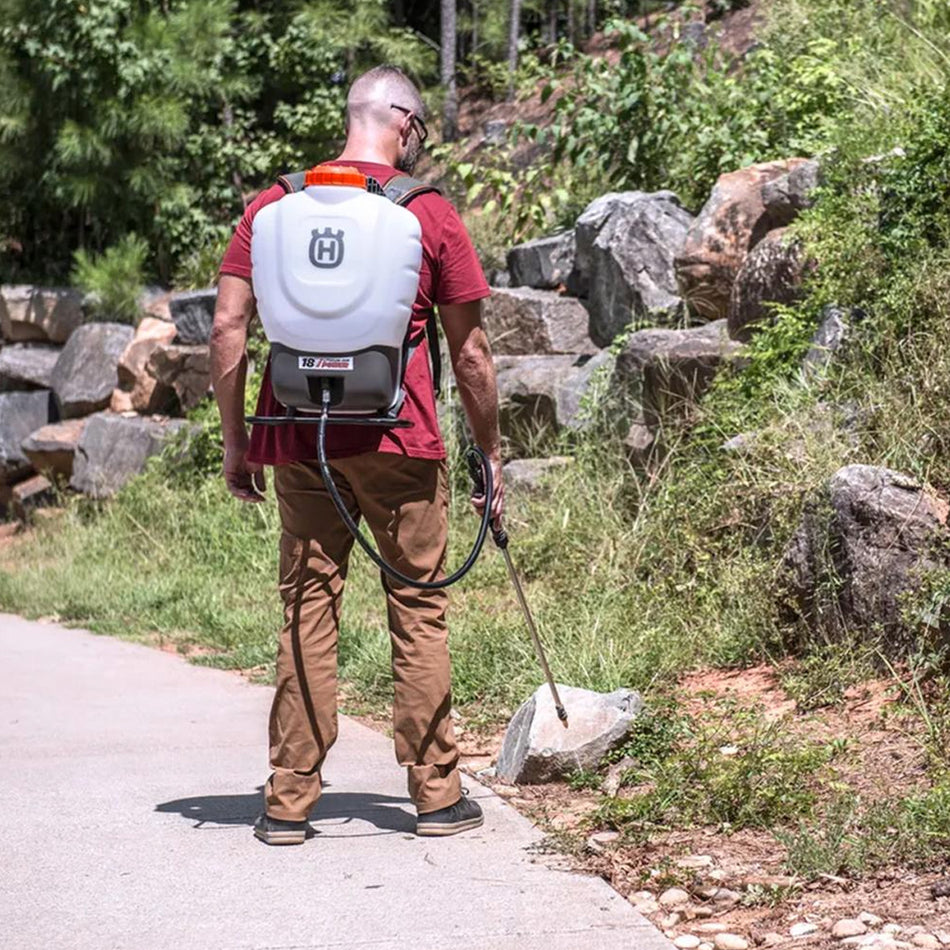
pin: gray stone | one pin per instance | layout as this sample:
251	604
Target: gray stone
20	414
860	549
545	263
830	339
540	396
85	373
772	273
731	223
47	314
52	447
527	322
27	366
193	314
537	748
626	246
530	475
665	372
114	449
496	132
184	370
787	196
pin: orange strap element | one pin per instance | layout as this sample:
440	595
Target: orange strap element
335	175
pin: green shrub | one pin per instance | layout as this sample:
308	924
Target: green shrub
114	279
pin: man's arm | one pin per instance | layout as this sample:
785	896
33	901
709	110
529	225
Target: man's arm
475	376
232	315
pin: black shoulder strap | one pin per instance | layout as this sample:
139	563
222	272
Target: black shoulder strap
401	189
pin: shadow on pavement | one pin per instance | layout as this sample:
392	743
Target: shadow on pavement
338	808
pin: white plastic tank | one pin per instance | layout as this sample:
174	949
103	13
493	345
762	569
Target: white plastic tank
335	268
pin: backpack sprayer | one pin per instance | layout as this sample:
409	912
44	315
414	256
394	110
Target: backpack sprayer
335	268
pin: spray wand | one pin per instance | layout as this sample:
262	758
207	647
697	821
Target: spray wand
500	537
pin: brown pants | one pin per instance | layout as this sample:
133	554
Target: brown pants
404	502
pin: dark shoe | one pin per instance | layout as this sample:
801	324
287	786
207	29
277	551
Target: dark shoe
277	831
461	816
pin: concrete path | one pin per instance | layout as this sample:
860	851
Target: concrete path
129	781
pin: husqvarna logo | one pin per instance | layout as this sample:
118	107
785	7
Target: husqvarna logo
326	247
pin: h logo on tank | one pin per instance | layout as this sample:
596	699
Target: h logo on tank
326	247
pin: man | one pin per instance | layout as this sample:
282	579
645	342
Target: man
395	479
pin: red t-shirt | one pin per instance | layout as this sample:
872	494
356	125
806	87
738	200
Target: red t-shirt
450	273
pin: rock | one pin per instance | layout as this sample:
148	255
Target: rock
185	370
741	444
802	929
496	132
881	941
144	393
193	314
666	371
943	936
539	394
20	414
537	747
153	302
772	939
848	928
707	946
687	942
674	897
545	263
695	862
731	223
35	313
644	901
52	447
85	373
602	839
31	494
928	941
728	941
639	444
121	401
113	449
726	896
529	475
771	274
668	922
626	262
860	549
829	339
710	927
526	322
27	366
788	195
892	929
615	775
869	919
940	888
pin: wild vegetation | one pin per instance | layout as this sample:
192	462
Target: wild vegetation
634	579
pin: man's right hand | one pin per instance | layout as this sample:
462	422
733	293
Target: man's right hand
498	493
245	480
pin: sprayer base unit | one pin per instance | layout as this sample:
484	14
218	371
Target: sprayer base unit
362	383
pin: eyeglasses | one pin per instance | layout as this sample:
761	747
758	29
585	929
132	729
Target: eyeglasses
421	129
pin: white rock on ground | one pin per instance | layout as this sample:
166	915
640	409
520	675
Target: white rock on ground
848	928
674	897
802	929
926	940
729	941
687	942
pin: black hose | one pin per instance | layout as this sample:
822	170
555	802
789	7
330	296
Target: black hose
354	529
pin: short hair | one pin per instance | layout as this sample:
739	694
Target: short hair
372	94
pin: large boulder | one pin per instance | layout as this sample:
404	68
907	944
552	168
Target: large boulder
113	449
526	322
788	195
545	263
626	246
85	373
184	370
860	549
664	372
530	475
144	392
539	396
48	315
27	366
771	274
537	748
20	414
52	447
193	314
731	223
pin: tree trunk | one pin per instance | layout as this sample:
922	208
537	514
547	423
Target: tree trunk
450	110
591	17
571	33
514	33
552	22
474	27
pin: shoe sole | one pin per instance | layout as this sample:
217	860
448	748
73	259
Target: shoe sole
281	837
443	829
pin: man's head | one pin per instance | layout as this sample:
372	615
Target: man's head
384	107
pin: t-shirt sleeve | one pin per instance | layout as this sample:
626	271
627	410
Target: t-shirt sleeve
460	276
237	258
